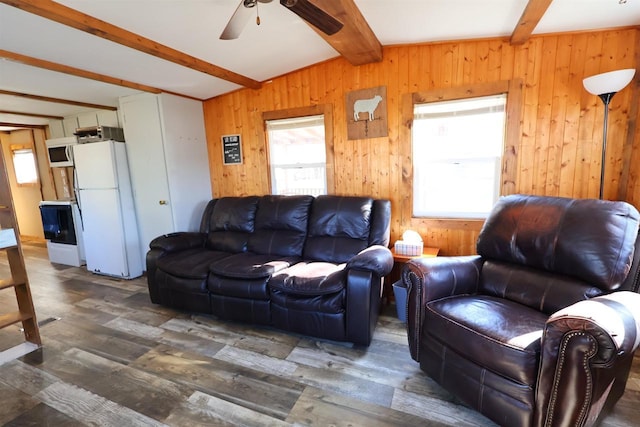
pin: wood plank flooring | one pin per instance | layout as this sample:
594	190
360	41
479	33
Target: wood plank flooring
111	358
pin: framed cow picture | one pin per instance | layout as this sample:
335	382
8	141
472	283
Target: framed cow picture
367	113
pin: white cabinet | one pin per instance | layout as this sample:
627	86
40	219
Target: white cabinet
86	120
70	124
56	129
168	162
98	118
108	118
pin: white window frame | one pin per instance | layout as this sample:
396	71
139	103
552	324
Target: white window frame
25	165
274	166
437	193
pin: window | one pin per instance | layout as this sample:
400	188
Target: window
458	147
24	164
297	155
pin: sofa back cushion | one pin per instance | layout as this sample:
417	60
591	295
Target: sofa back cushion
580	245
280	225
538	289
229	222
339	228
380	223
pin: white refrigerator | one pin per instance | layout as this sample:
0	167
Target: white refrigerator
105	199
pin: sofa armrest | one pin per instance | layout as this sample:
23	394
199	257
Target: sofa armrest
377	259
363	297
178	241
429	279
365	273
587	350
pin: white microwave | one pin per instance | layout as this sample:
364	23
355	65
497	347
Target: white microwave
60	152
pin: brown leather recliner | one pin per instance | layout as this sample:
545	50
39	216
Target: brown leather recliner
540	327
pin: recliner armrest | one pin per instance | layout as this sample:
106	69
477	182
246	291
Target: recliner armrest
377	259
429	279
178	241
587	349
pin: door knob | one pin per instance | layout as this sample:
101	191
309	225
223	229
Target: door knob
162	202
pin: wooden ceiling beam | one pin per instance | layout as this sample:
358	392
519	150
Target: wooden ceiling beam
21	113
533	13
356	42
60	68
83	22
58	100
20	125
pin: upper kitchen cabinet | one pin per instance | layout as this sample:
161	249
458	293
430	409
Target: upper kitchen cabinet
98	118
68	125
168	162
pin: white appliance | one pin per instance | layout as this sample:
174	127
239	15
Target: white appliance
62	228
59	151
111	241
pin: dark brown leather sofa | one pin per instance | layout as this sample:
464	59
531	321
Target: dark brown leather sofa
308	265
539	328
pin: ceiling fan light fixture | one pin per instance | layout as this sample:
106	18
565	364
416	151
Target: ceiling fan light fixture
303	8
313	15
240	18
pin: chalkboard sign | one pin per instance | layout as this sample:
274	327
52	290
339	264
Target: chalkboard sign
231	149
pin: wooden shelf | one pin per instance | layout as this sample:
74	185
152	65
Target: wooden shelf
10	244
9	319
8	238
7	283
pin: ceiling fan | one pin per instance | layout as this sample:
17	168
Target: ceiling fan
303	8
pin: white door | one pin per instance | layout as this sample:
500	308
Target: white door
147	167
103	232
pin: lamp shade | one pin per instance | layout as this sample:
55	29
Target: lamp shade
610	82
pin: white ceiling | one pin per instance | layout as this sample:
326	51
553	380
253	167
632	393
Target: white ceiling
282	43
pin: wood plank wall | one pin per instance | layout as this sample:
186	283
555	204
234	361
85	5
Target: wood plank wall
558	152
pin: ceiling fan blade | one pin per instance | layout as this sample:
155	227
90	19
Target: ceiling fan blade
313	15
237	22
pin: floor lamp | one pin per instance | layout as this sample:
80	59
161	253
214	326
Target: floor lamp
606	85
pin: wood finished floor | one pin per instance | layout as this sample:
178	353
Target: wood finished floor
111	358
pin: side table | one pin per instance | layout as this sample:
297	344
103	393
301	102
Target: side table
398	263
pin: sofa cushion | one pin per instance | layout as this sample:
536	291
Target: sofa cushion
251	289
280	225
491	332
553	234
380	223
191	263
231	223
307	309
338	228
538	289
183	293
310	278
250	266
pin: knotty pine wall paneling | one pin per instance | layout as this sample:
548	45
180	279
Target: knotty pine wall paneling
631	155
557	150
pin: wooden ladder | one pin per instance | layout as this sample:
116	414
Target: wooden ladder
10	245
